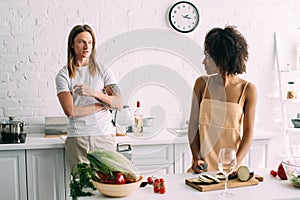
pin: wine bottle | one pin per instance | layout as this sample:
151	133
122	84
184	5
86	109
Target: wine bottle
138	120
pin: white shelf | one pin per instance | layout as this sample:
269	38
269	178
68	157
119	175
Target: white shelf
288	106
290	71
295	130
291	100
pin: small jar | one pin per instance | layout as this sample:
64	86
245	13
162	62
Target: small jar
291	92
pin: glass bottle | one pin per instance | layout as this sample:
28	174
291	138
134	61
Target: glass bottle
138	120
291	92
123	121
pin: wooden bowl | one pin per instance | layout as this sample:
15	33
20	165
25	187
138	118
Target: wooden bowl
117	190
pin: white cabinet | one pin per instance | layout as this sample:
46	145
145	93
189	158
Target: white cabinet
177	158
162	158
13	175
32	174
45	174
150	159
258	155
182	158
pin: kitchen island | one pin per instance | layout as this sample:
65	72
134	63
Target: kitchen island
270	189
27	167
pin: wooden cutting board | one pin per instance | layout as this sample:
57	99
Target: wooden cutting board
219	186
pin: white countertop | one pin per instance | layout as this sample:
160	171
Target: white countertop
38	141
35	142
270	189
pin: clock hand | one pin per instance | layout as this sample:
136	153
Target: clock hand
186	16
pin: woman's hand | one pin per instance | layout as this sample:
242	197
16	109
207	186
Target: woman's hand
196	166
83	90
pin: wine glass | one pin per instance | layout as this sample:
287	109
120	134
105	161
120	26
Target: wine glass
227	164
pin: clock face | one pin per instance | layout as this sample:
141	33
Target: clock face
184	16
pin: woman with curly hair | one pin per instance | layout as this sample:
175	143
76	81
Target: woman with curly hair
224	105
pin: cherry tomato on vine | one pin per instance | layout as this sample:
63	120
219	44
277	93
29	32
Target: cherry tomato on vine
150	180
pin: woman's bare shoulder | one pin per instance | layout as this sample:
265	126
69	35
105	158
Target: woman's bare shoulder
251	90
201	80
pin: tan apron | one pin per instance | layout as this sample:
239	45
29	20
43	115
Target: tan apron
220	127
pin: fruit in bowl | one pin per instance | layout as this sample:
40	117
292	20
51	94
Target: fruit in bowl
292	169
117	190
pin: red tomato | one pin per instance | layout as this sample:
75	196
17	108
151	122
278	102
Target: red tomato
116	178
119	178
150	180
162	190
156	186
273	173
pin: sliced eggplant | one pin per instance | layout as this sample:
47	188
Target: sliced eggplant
231	176
205	180
245	173
197	181
220	176
215	179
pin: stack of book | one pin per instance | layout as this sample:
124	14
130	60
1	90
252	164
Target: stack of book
56	126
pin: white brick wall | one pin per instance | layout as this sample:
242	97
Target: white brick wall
33	38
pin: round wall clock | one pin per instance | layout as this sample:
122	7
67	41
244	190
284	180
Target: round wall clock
184	16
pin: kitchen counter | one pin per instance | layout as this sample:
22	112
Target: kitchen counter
35	142
270	189
38	141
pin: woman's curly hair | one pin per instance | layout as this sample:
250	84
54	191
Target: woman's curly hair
228	48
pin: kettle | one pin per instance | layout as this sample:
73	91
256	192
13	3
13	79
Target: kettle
123	120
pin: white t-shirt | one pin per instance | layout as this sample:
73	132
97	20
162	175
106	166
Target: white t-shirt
94	124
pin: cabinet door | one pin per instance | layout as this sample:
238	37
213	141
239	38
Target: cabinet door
257	156
13	175
46	176
183	157
153	158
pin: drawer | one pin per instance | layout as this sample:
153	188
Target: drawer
152	154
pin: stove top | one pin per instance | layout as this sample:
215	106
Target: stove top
8	138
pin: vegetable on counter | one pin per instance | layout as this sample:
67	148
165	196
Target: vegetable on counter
159	186
206	179
273	173
114	178
105	166
244	173
81	179
156	186
157	183
150	179
280	172
107	161
295	180
162	187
